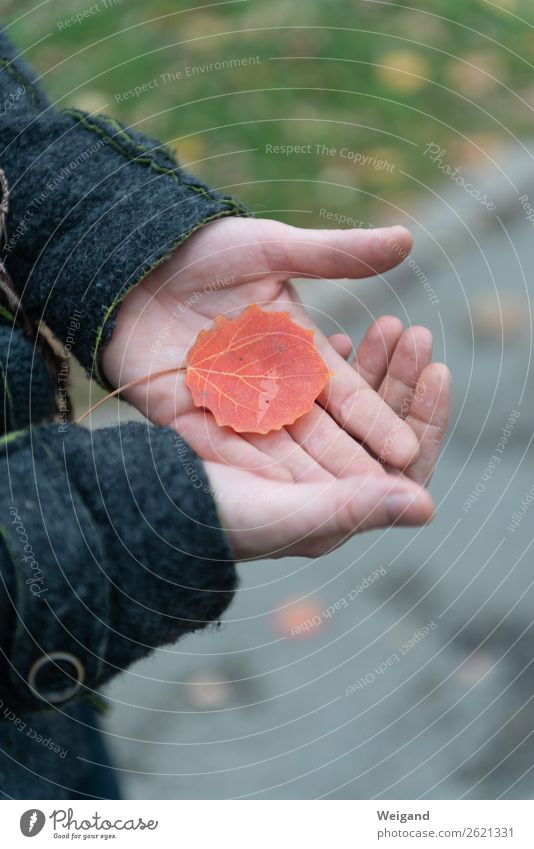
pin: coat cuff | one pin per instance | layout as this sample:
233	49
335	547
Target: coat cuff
94	207
112	551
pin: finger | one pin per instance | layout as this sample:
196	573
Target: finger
412	353
331	447
376	349
223	445
342	344
334	514
284	451
359	410
271	246
352	403
429	418
294	251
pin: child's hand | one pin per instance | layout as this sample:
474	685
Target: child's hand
308	517
325	503
160	318
397	364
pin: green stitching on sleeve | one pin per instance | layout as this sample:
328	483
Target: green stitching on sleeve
14	321
95	370
6	314
148	159
120	130
96	128
99	704
10	437
144	158
7	65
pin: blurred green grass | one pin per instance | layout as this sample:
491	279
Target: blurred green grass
380	79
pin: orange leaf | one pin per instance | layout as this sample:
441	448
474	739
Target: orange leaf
257	372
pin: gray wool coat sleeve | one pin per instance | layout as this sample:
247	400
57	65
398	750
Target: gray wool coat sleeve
107	551
94	207
108	546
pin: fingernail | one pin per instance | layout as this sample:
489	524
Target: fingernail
398	233
398	505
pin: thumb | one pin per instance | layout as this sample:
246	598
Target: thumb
278	519
335	253
353	505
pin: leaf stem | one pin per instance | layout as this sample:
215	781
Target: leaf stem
136	382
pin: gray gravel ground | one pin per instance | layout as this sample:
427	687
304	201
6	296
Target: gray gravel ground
249	711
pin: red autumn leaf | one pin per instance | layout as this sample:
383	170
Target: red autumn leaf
257	372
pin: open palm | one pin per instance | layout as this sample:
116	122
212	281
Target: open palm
369	420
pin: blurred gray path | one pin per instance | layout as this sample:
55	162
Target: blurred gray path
248	711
